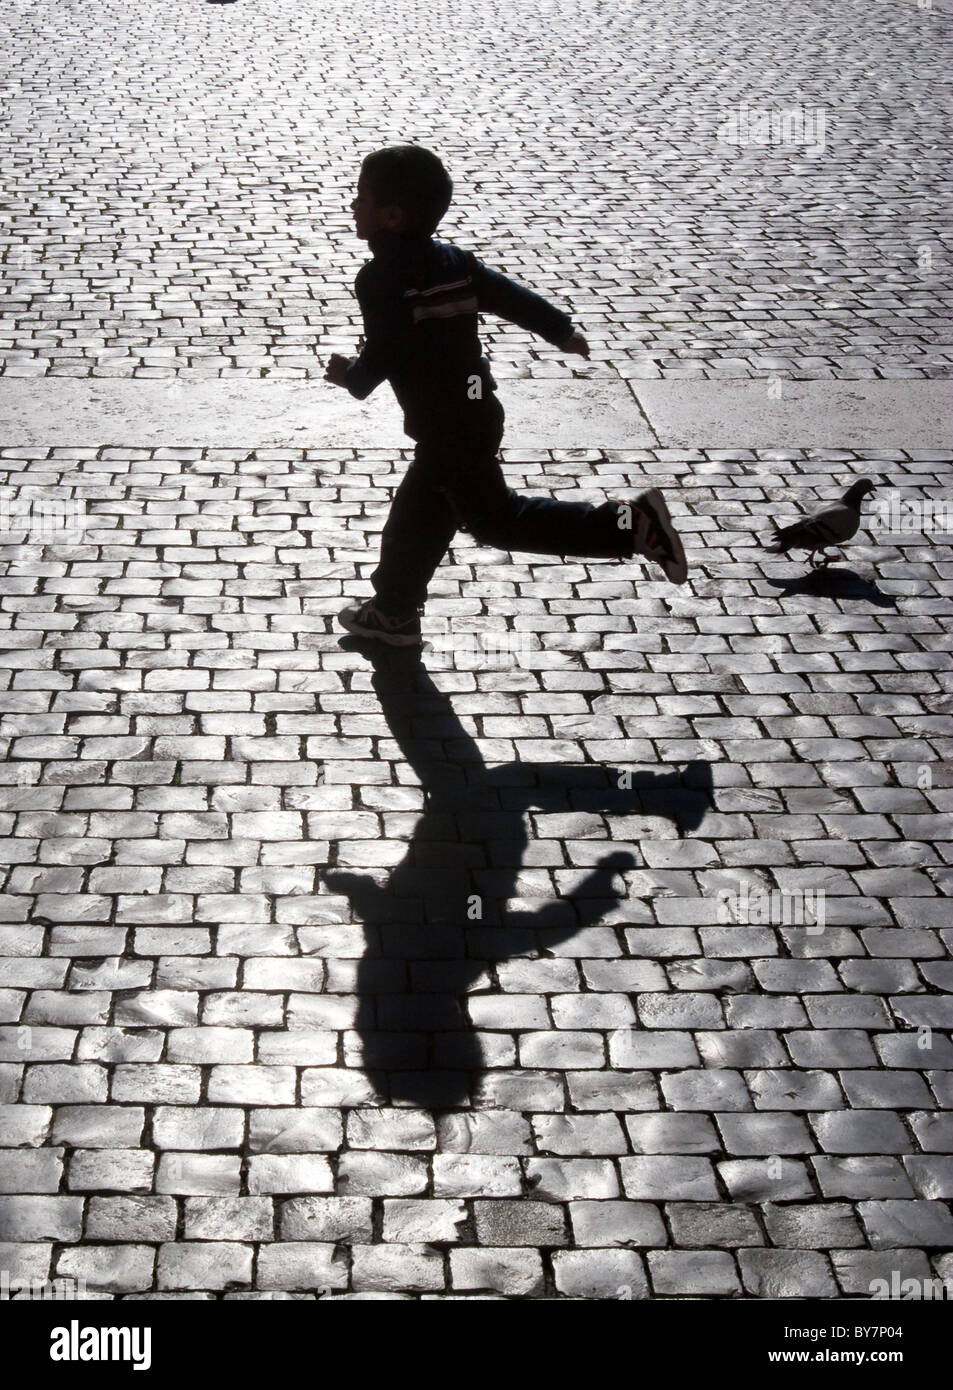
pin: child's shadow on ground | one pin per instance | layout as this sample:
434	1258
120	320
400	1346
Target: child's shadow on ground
828	582
427	947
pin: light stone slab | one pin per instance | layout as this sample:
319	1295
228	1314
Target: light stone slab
542	414
912	414
258	413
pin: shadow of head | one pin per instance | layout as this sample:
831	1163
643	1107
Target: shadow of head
829	581
452	936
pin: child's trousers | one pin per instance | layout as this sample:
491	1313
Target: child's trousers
457	483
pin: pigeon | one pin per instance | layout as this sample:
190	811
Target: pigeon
830	527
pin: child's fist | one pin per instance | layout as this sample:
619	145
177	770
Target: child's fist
336	371
575	343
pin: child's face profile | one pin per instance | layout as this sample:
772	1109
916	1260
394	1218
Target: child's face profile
370	216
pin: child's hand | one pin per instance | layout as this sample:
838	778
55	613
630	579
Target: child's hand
575	343
336	371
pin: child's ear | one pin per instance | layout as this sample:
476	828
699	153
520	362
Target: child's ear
395	219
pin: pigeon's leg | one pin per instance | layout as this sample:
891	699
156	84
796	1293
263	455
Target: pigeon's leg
826	559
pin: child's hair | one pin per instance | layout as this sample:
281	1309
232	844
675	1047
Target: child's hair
412	178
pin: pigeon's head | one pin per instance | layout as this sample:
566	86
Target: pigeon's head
856	494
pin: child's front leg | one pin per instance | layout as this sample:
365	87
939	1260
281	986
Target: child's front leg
337	368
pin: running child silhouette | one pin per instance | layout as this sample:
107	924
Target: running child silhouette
420	299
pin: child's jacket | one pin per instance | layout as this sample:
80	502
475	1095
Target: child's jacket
420	298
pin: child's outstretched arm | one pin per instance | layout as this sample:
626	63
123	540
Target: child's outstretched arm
361	374
498	294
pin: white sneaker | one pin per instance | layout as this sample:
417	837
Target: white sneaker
366	620
671	553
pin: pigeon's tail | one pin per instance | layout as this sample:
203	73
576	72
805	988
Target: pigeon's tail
780	540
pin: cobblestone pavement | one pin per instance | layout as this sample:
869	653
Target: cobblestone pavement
604	952
177	178
250	869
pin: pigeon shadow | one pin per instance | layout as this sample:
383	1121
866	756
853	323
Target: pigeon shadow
437	924
827	581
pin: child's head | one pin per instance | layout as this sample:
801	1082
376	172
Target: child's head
403	189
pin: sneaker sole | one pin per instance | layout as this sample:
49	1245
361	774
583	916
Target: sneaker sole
376	634
676	565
